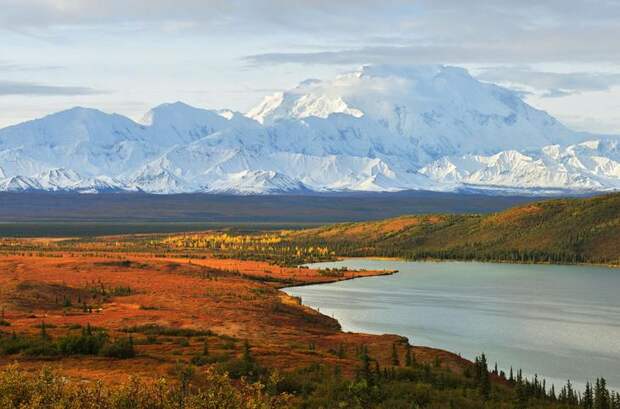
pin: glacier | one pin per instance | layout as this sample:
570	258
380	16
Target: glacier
379	128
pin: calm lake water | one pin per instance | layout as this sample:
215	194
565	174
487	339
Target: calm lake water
559	322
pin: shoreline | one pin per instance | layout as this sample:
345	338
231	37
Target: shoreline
430	347
446	260
332	280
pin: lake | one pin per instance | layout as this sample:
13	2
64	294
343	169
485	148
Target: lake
560	322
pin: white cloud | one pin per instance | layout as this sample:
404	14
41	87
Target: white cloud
551	84
150	51
28	88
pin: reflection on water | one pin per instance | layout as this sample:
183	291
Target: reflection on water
557	321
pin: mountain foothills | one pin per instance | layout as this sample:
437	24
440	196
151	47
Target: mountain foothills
557	231
382	128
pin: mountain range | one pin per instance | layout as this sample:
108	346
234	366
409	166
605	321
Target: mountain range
380	128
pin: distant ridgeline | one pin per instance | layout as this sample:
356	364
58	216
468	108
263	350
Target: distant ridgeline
556	231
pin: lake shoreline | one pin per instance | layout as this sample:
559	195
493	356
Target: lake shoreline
444	260
381	329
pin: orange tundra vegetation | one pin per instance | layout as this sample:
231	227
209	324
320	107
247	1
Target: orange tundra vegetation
173	308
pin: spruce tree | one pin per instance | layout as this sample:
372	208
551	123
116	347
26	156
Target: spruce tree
341	352
43	333
616	401
482	376
408	357
601	394
247	354
588	397
395	361
365	372
520	397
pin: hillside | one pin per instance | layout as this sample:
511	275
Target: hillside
567	230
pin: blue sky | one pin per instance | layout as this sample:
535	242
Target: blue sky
128	56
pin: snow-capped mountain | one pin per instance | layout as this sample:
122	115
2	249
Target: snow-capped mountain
441	110
591	165
381	128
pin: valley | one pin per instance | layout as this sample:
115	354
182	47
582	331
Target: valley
194	305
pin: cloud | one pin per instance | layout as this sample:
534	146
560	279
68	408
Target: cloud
28	88
48	13
478	53
500	31
551	84
357	31
6	66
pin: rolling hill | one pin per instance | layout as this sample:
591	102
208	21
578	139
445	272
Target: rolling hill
560	231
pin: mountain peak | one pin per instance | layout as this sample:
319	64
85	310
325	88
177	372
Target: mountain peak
423	71
382	127
167	110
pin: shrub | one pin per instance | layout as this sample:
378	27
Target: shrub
121	348
199	360
154	329
84	344
19	389
121	291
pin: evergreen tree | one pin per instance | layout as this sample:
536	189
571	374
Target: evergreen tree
409	359
247	353
601	394
395	361
43	332
588	397
616	401
365	372
520	397
341	351
482	375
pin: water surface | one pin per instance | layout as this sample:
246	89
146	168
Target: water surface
557	321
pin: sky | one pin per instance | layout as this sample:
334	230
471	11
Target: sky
127	56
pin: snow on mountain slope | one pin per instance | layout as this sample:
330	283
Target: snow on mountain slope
179	123
205	169
161	181
89	141
443	109
249	182
590	165
69	180
19	184
381	128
